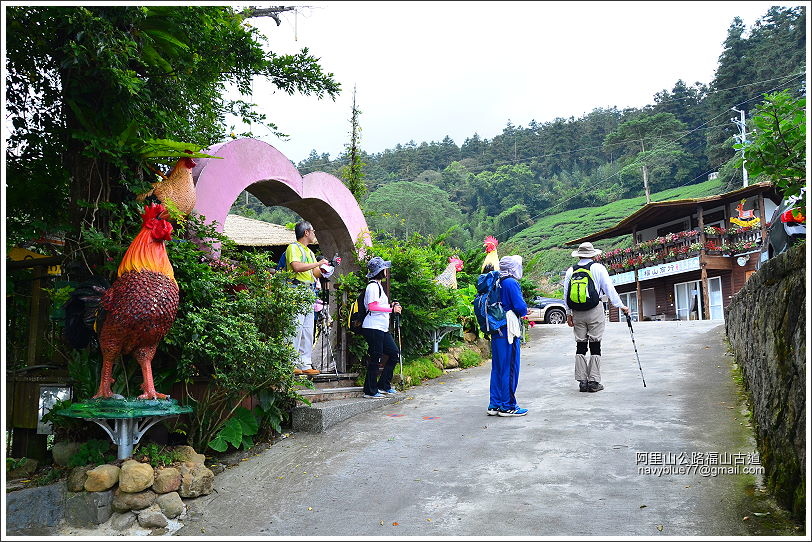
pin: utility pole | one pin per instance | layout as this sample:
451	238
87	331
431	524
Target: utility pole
741	138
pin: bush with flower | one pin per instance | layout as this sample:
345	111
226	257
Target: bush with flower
714	230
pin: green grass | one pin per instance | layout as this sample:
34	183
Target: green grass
547	238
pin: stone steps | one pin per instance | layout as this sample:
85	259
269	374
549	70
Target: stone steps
317	417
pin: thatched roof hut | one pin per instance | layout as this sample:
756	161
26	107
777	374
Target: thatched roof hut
249	232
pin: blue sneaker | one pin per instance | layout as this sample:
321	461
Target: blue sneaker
390	391
492	410
515	412
378	395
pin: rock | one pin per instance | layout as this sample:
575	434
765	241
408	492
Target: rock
196	480
152	517
166	480
470	337
171	505
63	451
217	468
39	509
453	358
102	478
439	359
123	501
187	453
77	478
121	521
24	469
88	508
135	476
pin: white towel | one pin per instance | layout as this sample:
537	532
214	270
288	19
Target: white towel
514	327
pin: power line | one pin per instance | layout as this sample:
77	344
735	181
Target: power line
599	183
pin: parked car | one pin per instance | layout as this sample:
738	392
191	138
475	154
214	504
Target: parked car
786	227
548	310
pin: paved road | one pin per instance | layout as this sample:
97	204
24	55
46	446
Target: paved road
434	464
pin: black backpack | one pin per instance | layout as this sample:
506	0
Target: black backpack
582	294
358	311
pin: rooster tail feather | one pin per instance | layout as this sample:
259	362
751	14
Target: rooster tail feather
84	313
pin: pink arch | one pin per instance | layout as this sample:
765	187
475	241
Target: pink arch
255	166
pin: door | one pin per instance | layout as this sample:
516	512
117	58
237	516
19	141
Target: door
688	297
649	302
715	298
630	300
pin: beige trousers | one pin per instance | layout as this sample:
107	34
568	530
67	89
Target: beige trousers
588	326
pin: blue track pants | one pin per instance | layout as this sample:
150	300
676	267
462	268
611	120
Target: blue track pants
505	361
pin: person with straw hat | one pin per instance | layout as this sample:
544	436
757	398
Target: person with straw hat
585	284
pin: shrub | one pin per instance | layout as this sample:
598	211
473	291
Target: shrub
419	369
156	455
470	358
234	326
92	452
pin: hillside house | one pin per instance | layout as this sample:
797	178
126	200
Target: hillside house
688	257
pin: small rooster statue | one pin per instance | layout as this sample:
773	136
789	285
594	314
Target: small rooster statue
448	277
177	186
139	308
492	258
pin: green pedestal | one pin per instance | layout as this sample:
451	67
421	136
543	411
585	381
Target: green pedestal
125	420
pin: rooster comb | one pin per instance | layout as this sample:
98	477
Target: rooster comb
490	241
153	210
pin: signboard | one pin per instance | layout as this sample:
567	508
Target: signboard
671	268
662	270
622	278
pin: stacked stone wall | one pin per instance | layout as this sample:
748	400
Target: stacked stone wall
766	327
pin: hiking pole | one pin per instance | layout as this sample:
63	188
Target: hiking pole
629	321
397	329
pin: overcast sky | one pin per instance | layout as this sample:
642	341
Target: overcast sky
424	70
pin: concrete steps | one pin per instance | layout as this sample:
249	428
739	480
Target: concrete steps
335	399
317	417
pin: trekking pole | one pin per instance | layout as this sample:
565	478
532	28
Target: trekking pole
397	330
629	321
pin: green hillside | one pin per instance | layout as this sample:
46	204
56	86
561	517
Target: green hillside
547	238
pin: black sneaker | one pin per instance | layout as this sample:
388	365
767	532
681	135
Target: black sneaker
583	386
595	386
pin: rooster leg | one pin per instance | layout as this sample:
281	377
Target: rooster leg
108	357
143	356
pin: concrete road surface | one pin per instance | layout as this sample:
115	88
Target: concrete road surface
624	461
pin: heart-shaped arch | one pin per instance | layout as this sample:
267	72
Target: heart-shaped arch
255	166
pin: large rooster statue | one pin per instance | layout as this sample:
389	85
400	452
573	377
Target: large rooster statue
492	257
139	308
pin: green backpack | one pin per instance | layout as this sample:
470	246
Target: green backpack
582	294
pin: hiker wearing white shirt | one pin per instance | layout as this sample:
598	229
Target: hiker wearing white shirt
584	284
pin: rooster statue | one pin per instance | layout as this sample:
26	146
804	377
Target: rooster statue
137	311
177	186
492	257
448	277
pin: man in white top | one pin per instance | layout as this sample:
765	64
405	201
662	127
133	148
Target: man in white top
584	284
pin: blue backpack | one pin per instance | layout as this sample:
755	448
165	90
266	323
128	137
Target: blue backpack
487	304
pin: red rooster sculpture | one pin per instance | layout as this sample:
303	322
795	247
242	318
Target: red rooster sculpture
140	307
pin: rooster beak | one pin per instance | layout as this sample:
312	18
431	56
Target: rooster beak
164	215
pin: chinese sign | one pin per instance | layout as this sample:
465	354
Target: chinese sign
662	270
671	268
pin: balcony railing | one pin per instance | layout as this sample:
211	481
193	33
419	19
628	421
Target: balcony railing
682	245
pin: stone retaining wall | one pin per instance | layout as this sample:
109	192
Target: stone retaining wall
766	327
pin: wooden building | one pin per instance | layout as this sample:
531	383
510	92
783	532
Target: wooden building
688	257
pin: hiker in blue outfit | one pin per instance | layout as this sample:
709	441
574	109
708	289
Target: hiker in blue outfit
506	342
375	330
